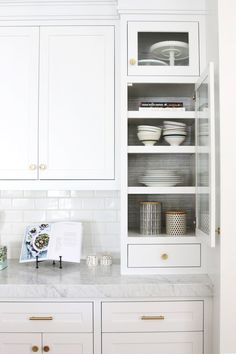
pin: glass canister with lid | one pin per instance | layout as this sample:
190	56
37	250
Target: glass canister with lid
150	218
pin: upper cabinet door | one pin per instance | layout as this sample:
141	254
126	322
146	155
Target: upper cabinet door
76	129
19	102
163	48
205	157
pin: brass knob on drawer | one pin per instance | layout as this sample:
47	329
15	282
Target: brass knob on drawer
32	167
46	349
35	349
132	61
164	256
42	166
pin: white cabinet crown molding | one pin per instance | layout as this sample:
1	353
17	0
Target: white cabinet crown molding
57	9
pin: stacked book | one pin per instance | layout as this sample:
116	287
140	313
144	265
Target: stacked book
161	106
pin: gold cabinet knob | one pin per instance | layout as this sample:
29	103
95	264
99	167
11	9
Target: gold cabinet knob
46	349
35	349
132	61
42	166
164	256
32	167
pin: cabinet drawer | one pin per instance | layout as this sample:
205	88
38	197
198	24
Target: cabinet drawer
164	256
152	316
46	317
153	343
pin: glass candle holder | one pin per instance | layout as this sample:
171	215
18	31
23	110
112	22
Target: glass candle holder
3	257
150	218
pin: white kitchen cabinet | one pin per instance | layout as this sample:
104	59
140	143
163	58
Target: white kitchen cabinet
153	343
19	102
76	115
71	343
163	48
20	343
205	157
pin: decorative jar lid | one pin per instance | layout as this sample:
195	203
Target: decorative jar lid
176	212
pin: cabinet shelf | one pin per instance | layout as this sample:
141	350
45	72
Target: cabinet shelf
161	115
161	190
134	237
161	149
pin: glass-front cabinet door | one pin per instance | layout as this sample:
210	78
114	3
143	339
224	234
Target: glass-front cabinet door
205	157
163	48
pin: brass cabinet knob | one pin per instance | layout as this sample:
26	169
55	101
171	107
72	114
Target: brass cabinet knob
164	256
32	167
132	61
35	349
46	349
42	166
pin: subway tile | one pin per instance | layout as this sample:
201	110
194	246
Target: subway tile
112	203
11	215
112	228
47	203
57	215
105	216
81	215
35	216
5	203
93	203
104	194
58	194
23	203
12	194
70	203
82	194
35	194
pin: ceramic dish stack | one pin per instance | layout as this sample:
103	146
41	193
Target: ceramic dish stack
161	178
174	133
149	134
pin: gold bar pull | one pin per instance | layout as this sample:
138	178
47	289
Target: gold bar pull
152	318
41	318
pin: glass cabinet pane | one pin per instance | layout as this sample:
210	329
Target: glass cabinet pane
205	159
163	48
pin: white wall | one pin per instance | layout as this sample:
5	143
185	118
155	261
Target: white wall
98	210
227	50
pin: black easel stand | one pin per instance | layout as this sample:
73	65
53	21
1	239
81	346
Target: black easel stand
53	263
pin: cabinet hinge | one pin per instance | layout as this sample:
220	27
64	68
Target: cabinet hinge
194	96
218	230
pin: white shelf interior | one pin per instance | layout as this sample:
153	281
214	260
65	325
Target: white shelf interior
161	114
135	237
161	190
136	149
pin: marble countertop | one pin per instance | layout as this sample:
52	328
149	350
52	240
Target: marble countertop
79	281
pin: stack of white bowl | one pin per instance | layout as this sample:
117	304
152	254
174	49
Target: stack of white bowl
149	134
161	178
174	133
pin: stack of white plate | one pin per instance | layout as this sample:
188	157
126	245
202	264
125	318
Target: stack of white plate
160	178
174	132
149	134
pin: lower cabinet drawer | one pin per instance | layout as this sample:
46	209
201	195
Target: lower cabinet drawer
164	256
46	317
152	316
153	343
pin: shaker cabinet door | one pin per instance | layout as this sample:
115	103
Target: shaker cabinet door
19	102
206	157
20	343
76	130
71	343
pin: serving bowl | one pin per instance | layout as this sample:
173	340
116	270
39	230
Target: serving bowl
174	140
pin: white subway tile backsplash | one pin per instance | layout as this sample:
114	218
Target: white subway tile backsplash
97	210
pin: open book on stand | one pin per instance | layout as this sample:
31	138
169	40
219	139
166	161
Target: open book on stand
51	241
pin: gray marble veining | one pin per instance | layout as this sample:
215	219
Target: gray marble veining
80	281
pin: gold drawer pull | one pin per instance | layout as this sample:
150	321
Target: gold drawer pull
43	318
152	318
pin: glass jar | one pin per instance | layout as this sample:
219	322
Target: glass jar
150	218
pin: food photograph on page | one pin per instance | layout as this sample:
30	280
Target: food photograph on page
35	242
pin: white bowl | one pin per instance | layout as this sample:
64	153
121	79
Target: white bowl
173	131
149	142
174	140
149	135
148	127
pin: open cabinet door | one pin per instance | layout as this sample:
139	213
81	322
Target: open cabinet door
205	157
